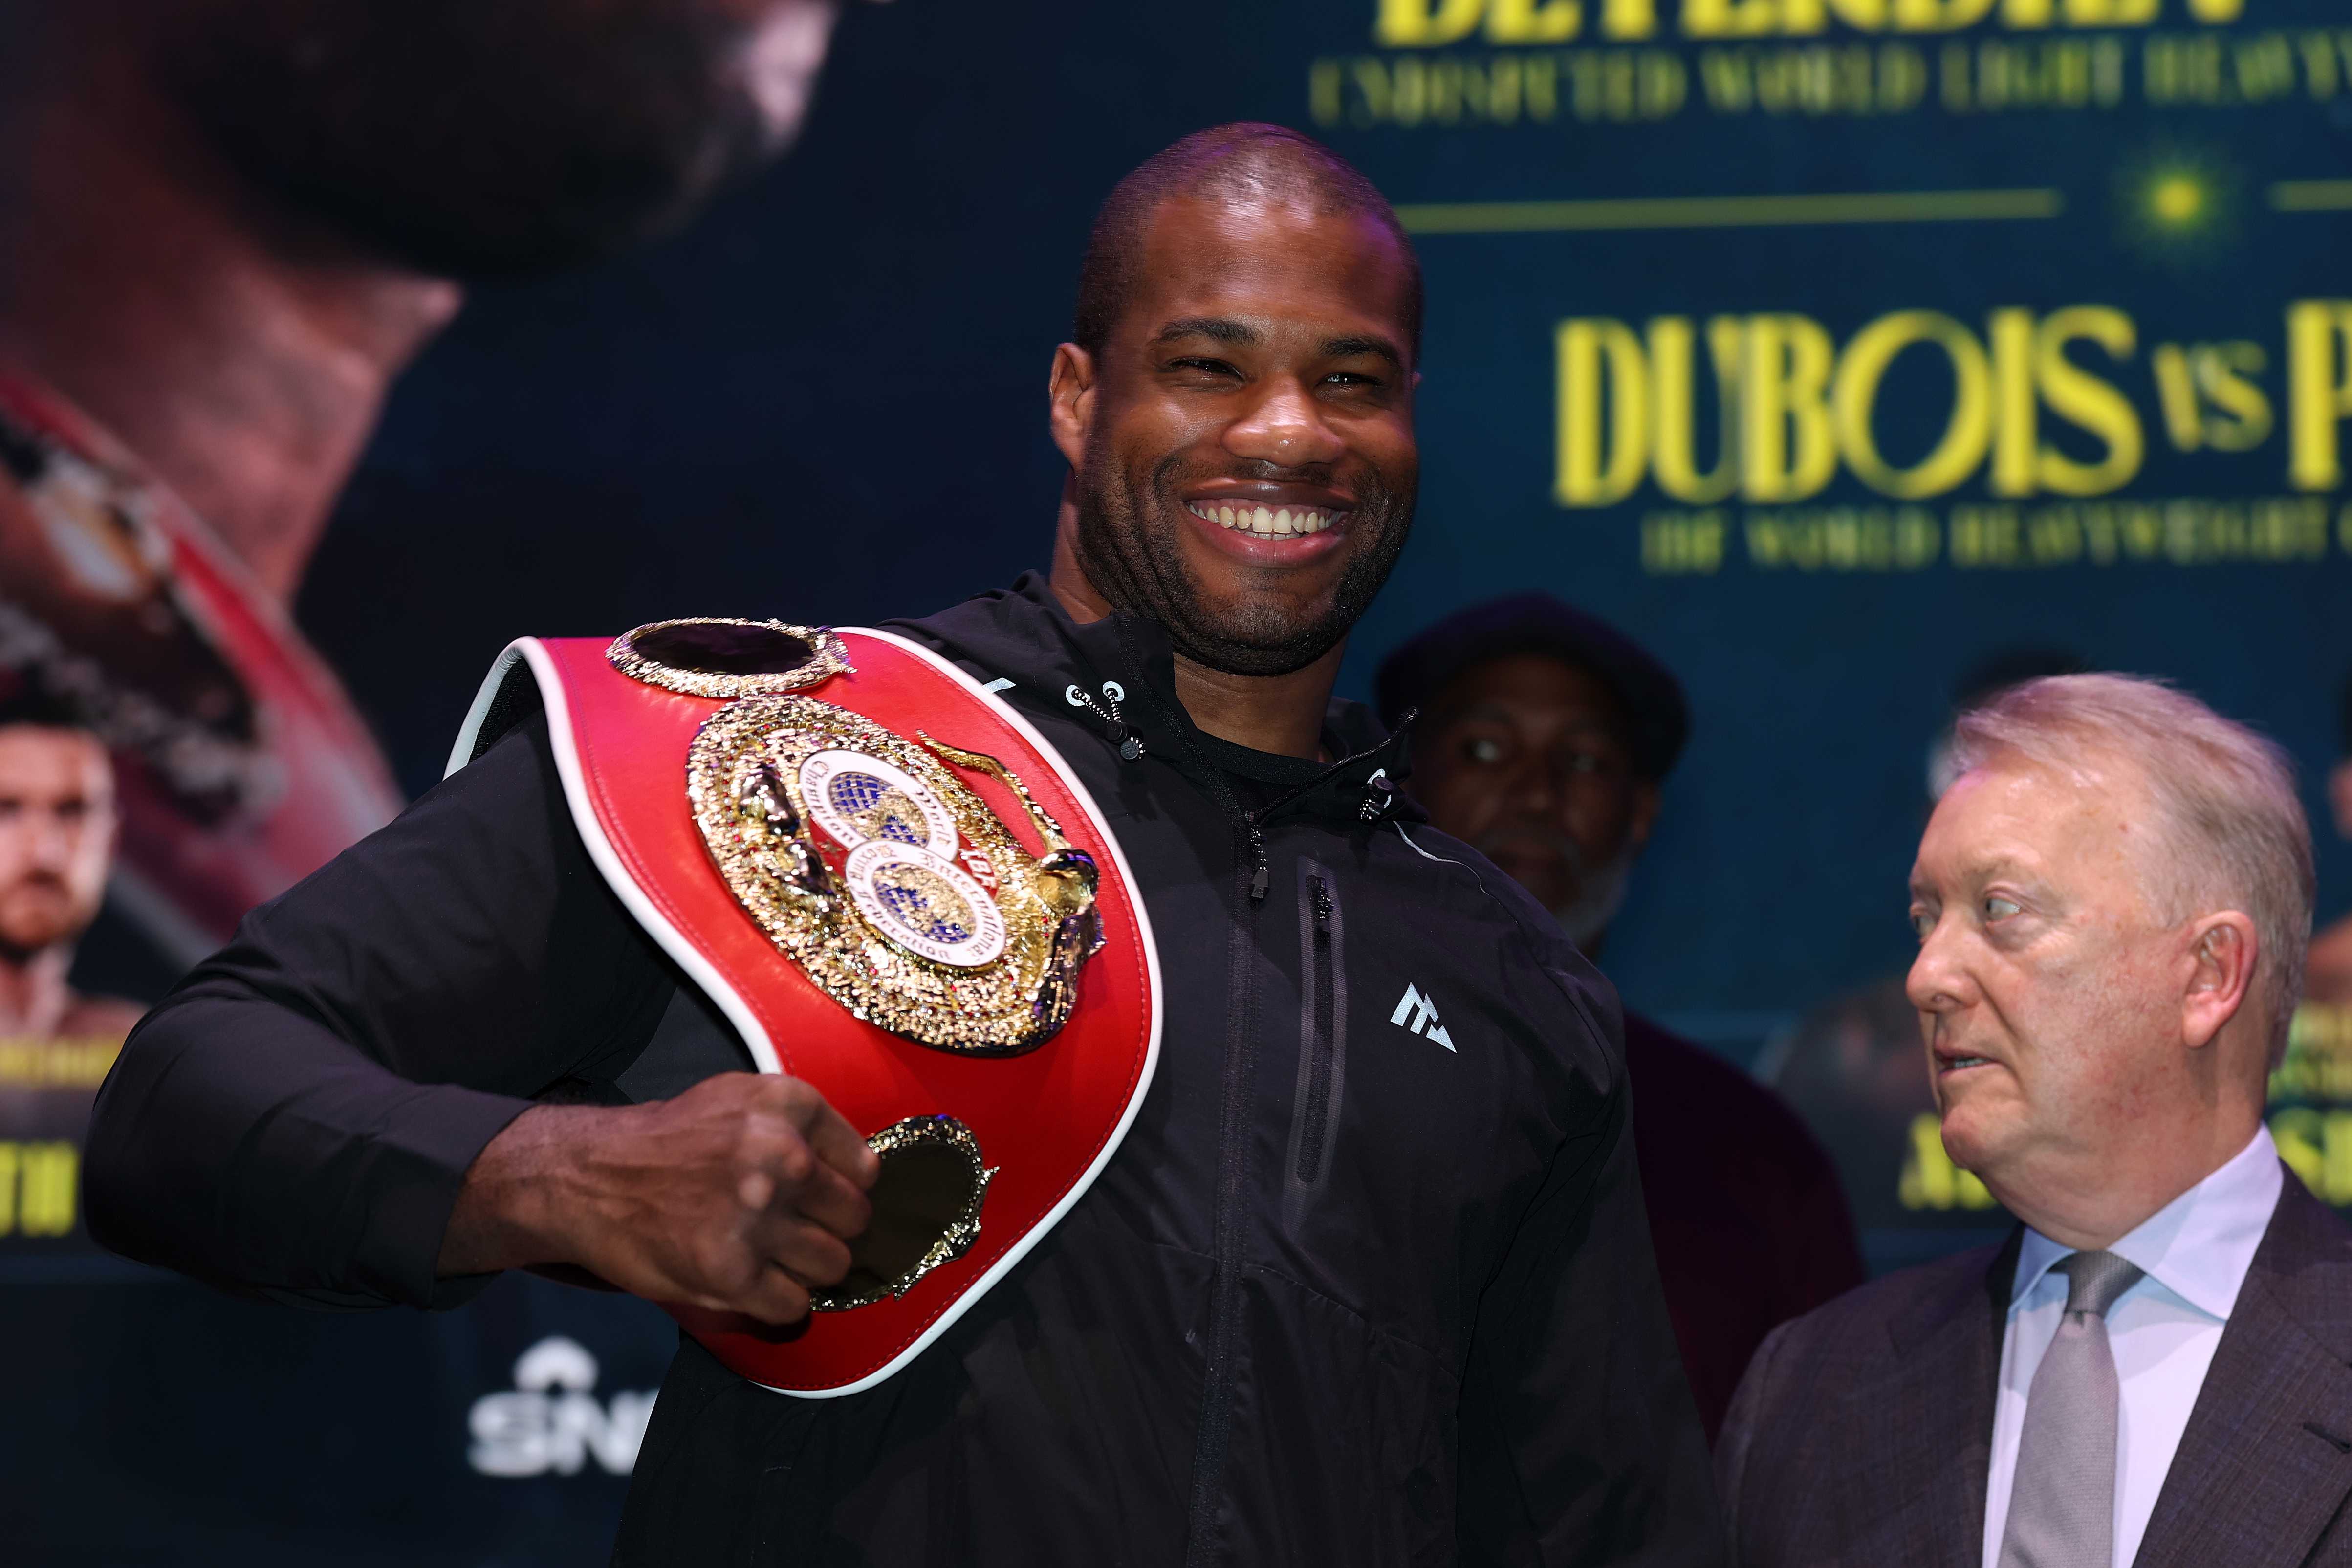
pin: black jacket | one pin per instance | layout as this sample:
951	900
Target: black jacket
1368	1282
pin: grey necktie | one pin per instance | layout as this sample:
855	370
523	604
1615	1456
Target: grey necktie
2061	1506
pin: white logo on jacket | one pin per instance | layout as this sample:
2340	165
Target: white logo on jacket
1423	1014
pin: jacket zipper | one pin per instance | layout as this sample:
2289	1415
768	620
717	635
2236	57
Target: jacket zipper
1322	1036
1211	1439
1209	1443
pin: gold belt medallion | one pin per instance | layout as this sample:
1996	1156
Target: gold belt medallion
863	856
887	879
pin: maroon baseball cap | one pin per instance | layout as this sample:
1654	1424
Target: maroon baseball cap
1656	708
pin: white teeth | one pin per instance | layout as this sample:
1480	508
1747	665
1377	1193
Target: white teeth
1275	524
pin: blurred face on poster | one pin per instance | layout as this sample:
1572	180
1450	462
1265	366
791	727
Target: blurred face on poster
2065	1017
1243	446
472	139
228	225
1527	760
56	837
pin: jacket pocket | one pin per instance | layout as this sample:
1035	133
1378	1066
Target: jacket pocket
1344	1441
1317	1099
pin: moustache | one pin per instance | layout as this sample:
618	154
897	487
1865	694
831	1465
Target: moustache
1366	488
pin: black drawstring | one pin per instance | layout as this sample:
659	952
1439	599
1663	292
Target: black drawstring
1210	775
1379	795
1122	734
1380	790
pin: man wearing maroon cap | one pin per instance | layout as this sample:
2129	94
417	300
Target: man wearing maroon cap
1543	738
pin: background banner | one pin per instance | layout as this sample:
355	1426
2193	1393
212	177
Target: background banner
1850	354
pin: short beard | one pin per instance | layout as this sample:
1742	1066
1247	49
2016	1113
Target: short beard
1599	886
1600	894
23	939
476	139
1134	560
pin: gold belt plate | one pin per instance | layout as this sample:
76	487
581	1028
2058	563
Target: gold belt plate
887	879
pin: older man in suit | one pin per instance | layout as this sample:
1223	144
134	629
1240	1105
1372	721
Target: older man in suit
2113	903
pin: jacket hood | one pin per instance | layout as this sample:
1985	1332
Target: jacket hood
1024	636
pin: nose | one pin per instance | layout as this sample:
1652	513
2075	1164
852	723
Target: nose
1285	428
1938	983
1536	784
49	845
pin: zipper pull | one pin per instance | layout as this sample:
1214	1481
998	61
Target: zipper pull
1322	905
1258	848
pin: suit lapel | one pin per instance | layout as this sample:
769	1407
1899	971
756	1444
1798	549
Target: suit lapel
1933	1426
2266	1458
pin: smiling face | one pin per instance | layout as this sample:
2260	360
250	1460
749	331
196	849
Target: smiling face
2050	991
1526	759
1242	445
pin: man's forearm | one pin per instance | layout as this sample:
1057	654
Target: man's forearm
737	1196
241	1141
513	1189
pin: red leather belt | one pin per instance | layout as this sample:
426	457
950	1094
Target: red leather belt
895	890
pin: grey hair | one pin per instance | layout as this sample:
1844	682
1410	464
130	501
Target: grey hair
2230	820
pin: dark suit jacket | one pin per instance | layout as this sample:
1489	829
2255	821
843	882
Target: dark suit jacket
1862	1433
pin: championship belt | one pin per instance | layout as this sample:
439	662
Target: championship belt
894	888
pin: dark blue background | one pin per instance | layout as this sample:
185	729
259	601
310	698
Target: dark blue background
827	402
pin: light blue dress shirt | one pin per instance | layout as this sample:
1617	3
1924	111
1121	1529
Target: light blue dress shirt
2195	1252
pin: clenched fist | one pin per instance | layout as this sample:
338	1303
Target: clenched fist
740	1195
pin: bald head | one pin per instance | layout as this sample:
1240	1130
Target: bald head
1240	165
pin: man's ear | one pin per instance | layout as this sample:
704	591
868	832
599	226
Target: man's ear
1645	811
1070	401
2222	952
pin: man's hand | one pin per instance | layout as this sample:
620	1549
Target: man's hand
740	1195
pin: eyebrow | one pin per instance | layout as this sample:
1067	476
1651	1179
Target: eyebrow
1976	871
1241	334
1348	348
1477	711
1217	329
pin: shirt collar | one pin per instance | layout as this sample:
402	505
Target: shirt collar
2199	1246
